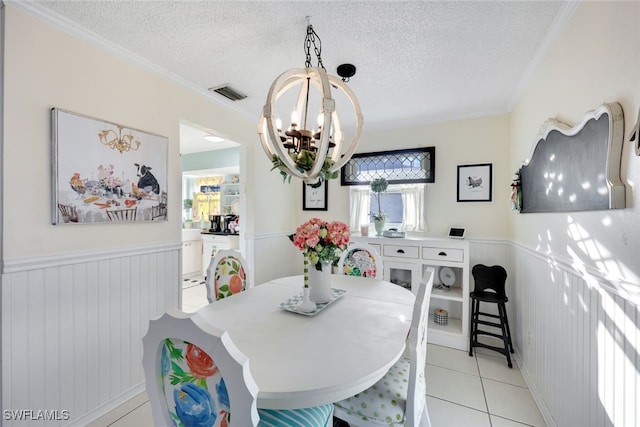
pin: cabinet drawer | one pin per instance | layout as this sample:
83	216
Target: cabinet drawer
376	247
399	251
443	254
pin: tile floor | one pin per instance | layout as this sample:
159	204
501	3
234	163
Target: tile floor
462	391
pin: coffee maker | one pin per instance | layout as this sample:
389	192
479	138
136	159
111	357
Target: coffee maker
216	223
229	224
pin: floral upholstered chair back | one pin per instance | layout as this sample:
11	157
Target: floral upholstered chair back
361	260
195	375
227	275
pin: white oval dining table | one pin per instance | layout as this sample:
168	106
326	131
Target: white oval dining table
299	361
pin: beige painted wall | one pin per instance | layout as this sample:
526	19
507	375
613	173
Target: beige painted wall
482	140
595	60
44	68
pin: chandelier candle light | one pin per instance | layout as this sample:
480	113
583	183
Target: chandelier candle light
317	154
118	141
321	244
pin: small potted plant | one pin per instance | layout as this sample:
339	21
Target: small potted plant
379	185
187	204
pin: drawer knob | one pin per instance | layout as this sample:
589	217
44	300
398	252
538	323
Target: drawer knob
442	253
400	251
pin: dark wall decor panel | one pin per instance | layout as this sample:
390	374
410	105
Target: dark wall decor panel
576	168
397	166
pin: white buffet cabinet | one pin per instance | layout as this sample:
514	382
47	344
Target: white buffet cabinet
212	243
406	259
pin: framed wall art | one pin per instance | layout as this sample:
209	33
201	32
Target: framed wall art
315	199
475	182
104	172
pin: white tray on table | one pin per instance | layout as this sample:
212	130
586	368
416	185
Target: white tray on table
292	303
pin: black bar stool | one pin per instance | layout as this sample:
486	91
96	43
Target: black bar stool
490	288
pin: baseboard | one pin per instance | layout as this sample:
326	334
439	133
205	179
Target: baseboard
103	410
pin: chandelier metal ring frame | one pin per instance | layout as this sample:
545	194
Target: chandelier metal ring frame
324	147
270	134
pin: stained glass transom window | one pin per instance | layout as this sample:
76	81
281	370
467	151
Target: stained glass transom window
398	167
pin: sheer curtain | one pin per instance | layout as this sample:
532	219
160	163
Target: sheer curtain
360	200
413	199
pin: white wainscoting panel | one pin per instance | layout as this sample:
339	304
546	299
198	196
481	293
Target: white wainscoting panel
578	343
72	328
272	255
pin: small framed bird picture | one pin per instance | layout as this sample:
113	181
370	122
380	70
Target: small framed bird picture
475	182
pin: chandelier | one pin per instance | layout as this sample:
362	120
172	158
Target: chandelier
316	151
118	141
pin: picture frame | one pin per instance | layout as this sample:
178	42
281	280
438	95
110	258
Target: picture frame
103	172
475	182
315	199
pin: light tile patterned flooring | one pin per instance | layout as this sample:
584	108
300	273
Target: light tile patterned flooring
462	391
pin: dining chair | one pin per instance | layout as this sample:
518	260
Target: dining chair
361	260
122	215
69	213
400	397
195	374
159	212
227	274
489	288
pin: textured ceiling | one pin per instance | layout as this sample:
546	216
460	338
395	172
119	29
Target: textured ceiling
417	62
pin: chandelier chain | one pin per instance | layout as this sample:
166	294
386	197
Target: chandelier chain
317	48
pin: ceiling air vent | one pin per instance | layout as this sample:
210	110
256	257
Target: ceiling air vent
228	92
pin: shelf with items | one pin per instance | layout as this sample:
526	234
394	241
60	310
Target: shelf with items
403	274
230	195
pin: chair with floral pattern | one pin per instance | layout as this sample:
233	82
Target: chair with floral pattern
361	260
194	371
399	398
227	274
195	375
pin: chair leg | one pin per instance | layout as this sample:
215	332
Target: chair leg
424	420
473	325
506	321
502	311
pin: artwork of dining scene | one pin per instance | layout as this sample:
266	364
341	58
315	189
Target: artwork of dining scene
105	172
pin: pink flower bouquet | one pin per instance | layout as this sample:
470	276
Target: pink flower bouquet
320	240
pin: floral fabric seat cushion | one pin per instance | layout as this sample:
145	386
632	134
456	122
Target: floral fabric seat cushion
317	416
229	278
360	262
195	391
384	402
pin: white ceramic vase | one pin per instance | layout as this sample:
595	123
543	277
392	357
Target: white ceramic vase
306	306
320	283
379	225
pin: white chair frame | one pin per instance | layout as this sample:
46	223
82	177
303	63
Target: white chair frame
362	246
209	280
416	413
232	364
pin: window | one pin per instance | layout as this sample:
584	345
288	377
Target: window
397	166
404	202
391	204
405	205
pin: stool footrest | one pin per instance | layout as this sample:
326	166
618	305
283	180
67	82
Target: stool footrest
480	332
485	322
495	316
491	347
